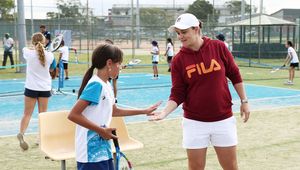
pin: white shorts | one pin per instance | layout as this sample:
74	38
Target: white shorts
197	134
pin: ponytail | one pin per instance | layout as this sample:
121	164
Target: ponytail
41	53
88	75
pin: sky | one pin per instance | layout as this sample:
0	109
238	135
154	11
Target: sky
100	7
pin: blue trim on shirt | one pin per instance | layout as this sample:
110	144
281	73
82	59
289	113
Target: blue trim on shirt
98	149
92	93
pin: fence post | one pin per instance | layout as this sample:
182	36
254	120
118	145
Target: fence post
21	33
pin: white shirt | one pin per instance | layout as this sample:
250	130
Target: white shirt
7	43
170	49
155	57
89	145
292	53
227	45
37	76
65	53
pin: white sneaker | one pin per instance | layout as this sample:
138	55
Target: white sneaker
289	82
23	144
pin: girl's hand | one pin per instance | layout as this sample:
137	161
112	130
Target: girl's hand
106	133
152	108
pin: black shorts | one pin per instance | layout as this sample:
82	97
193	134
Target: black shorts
65	66
294	65
169	59
36	94
154	62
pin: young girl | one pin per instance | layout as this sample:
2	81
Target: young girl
155	58
291	57
169	52
38	82
94	109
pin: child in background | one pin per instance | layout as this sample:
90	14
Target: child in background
64	57
293	59
94	109
155	59
169	52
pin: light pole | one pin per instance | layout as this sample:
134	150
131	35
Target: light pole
259	30
138	28
32	26
21	33
132	31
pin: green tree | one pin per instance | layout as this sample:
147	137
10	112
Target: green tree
155	19
69	9
204	11
5	8
235	8
152	17
73	11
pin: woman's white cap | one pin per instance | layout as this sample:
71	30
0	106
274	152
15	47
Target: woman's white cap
184	21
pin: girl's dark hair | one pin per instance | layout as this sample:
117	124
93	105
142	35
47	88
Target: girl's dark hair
109	41
100	55
62	43
154	43
290	43
170	41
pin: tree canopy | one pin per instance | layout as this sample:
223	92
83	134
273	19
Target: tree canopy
235	8
153	16
5	8
204	11
68	9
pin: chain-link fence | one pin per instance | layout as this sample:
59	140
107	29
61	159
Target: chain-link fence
88	31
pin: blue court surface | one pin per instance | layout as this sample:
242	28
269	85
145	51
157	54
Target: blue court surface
134	91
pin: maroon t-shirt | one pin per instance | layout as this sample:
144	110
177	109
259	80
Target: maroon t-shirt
199	81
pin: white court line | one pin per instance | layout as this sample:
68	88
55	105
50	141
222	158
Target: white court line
270	98
257	85
123	105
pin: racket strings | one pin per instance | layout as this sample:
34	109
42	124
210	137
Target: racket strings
124	165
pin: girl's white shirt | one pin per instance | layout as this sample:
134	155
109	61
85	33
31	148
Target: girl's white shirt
155	57
170	49
293	55
37	76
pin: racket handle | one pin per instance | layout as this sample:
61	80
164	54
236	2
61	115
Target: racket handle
116	143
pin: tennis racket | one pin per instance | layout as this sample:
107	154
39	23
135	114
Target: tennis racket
55	44
134	61
121	163
276	69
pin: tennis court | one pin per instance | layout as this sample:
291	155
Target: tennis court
134	90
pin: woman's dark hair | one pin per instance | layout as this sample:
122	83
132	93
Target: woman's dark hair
290	43
100	55
169	40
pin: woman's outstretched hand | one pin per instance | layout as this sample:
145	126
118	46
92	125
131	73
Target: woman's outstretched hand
159	115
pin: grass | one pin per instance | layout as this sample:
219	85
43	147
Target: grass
270	140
